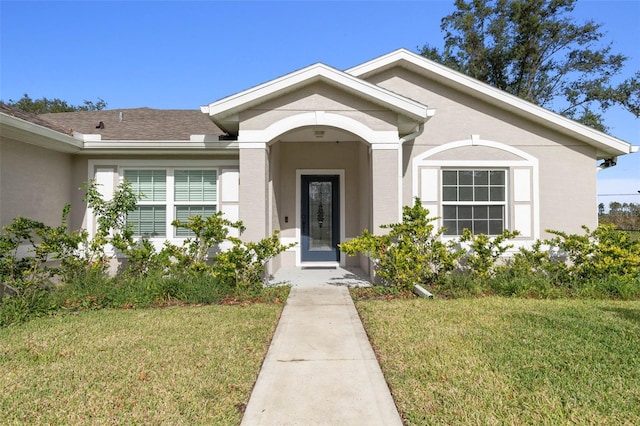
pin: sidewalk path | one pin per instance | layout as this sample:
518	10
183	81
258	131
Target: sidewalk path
320	368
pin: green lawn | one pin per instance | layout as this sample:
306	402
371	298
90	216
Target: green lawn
180	365
509	361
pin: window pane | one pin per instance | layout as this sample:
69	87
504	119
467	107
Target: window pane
497	193
496	212
151	185
497	177
480	227
466	193
183	213
148	221
496	227
481	212
449	212
481	193
449	177
465	224
195	185
450	226
450	193
481	177
466	177
465	212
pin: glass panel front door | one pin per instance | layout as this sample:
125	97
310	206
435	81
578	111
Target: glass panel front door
320	218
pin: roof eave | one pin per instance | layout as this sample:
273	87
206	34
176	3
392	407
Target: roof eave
24	131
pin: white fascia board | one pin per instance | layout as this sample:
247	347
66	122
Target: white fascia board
87	137
605	143
176	147
318	72
34	134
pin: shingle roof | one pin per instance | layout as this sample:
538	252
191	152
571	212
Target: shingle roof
32	118
137	123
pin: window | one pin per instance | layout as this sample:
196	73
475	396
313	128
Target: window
149	219
195	194
475	200
170	194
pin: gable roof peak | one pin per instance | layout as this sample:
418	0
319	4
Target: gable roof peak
223	111
607	145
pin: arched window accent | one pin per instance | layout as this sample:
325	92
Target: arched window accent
482	194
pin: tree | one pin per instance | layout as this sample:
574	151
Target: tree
624	216
535	50
600	209
44	105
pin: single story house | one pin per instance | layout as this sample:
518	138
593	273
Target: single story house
319	154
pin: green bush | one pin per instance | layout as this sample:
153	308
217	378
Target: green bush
614	287
46	246
599	254
604	263
482	253
411	253
241	266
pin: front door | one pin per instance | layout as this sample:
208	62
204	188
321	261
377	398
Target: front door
320	215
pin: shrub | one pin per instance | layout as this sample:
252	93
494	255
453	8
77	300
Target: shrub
411	253
112	229
241	266
176	274
482	252
599	254
208	233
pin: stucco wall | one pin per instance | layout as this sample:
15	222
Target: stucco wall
35	182
317	155
286	158
253	193
567	167
318	97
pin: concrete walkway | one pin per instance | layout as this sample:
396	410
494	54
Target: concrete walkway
320	368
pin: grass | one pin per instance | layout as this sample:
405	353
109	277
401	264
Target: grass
509	361
177	365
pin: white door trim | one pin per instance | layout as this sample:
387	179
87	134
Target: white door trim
299	173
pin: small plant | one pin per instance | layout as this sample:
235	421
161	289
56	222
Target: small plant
241	266
601	253
411	253
208	233
28	250
244	264
111	219
483	253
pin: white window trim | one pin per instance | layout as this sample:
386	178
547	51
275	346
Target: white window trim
142	202
170	203
422	160
506	203
118	166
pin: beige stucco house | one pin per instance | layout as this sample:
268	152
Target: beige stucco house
320	154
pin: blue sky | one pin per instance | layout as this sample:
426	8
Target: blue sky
180	55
